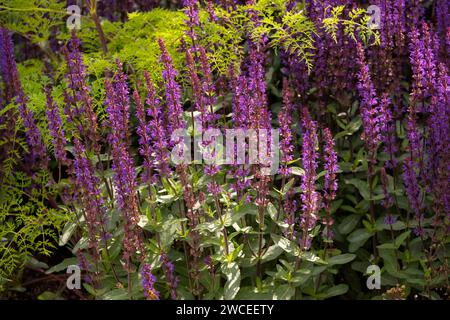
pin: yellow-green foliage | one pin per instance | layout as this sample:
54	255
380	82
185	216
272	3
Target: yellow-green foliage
355	25
134	42
33	19
33	82
28	225
290	30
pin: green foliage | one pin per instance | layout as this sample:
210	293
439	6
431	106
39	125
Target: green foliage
32	19
355	25
136	41
28	225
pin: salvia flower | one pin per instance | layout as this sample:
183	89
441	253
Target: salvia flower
145	148
412	186
56	128
13	88
372	117
210	264
123	167
389	138
209	97
439	140
148	282
168	268
415	148
331	168
443	26
239	103
430	62
290	208
192	12
173	90
285	119
414	13
89	194
389	219
417	60
8	67
79	109
388	201
310	197
418	232
259	113
157	130
214	188
38	151
84	265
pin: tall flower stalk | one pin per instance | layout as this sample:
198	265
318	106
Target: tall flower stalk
176	122
117	107
310	197
373	119
330	185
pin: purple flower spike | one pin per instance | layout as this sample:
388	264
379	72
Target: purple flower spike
168	268
148	282
56	128
310	197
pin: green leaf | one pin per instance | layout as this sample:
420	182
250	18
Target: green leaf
233	275
67	232
388	245
297	171
81	244
354	125
272	253
284	292
251	293
401	238
336	290
63	265
288	186
33	263
341	259
348	224
389	260
359	235
286	244
47	295
116	294
357	239
362	187
272	211
311	257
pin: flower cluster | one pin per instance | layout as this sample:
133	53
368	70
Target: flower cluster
148	282
56	128
117	103
310	197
